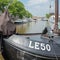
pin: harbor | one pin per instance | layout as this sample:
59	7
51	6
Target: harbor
24	36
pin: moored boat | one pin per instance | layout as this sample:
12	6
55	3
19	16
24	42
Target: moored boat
20	21
33	46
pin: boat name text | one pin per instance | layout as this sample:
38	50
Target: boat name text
38	46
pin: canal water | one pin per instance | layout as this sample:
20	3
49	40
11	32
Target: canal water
31	27
36	26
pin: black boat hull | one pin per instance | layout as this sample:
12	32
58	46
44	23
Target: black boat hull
14	52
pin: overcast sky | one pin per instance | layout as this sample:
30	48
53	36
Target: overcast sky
39	7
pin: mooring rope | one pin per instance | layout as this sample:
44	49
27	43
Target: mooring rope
55	54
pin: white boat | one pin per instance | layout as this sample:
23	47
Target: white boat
52	21
20	21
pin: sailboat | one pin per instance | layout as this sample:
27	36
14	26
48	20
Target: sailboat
33	46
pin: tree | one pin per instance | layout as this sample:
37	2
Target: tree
3	3
28	14
15	8
48	16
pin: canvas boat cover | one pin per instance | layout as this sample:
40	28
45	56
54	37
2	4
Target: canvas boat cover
6	26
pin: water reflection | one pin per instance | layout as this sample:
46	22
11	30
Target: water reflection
31	27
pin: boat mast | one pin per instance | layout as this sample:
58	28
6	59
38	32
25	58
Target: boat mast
56	16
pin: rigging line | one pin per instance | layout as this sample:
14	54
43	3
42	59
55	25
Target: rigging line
56	43
50	6
54	52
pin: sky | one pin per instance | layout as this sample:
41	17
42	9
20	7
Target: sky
39	7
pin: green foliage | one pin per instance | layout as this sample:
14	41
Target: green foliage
3	3
28	14
48	16
15	8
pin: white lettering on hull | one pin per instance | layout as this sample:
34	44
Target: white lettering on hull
39	46
30	45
